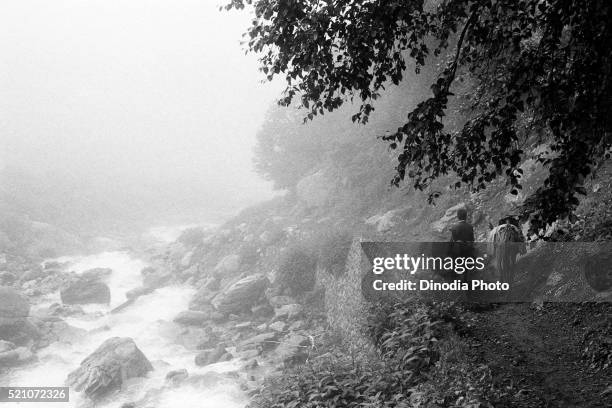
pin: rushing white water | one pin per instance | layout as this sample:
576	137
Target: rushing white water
149	322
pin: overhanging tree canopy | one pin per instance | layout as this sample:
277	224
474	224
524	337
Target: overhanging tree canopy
548	59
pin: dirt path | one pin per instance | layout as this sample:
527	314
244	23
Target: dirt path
536	354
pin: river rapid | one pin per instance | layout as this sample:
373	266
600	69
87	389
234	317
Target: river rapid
149	322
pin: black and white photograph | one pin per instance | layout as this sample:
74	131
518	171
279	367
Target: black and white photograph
306	203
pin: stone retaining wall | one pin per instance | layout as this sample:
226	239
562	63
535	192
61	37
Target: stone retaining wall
346	307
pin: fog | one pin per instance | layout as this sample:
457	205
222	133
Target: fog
134	100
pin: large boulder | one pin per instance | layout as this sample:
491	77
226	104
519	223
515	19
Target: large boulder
106	369
241	295
137	292
14	310
20	331
12	304
228	265
84	291
193	317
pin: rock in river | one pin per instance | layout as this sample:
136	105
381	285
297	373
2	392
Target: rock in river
12	304
177	376
85	291
16	356
14	310
137	292
211	356
192	317
106	369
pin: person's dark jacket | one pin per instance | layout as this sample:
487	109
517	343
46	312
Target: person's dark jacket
462	238
462	231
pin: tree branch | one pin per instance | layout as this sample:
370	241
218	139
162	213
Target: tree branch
455	63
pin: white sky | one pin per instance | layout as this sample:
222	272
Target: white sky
140	90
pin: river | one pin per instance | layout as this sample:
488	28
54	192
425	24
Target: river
149	322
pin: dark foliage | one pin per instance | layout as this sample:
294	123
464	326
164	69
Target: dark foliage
405	338
547	64
334	381
406	333
296	271
597	339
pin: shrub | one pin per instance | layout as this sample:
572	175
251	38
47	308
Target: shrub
406	338
597	339
296	270
406	333
458	382
335	380
333	250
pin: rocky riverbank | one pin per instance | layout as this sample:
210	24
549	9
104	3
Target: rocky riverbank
238	312
231	319
228	306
